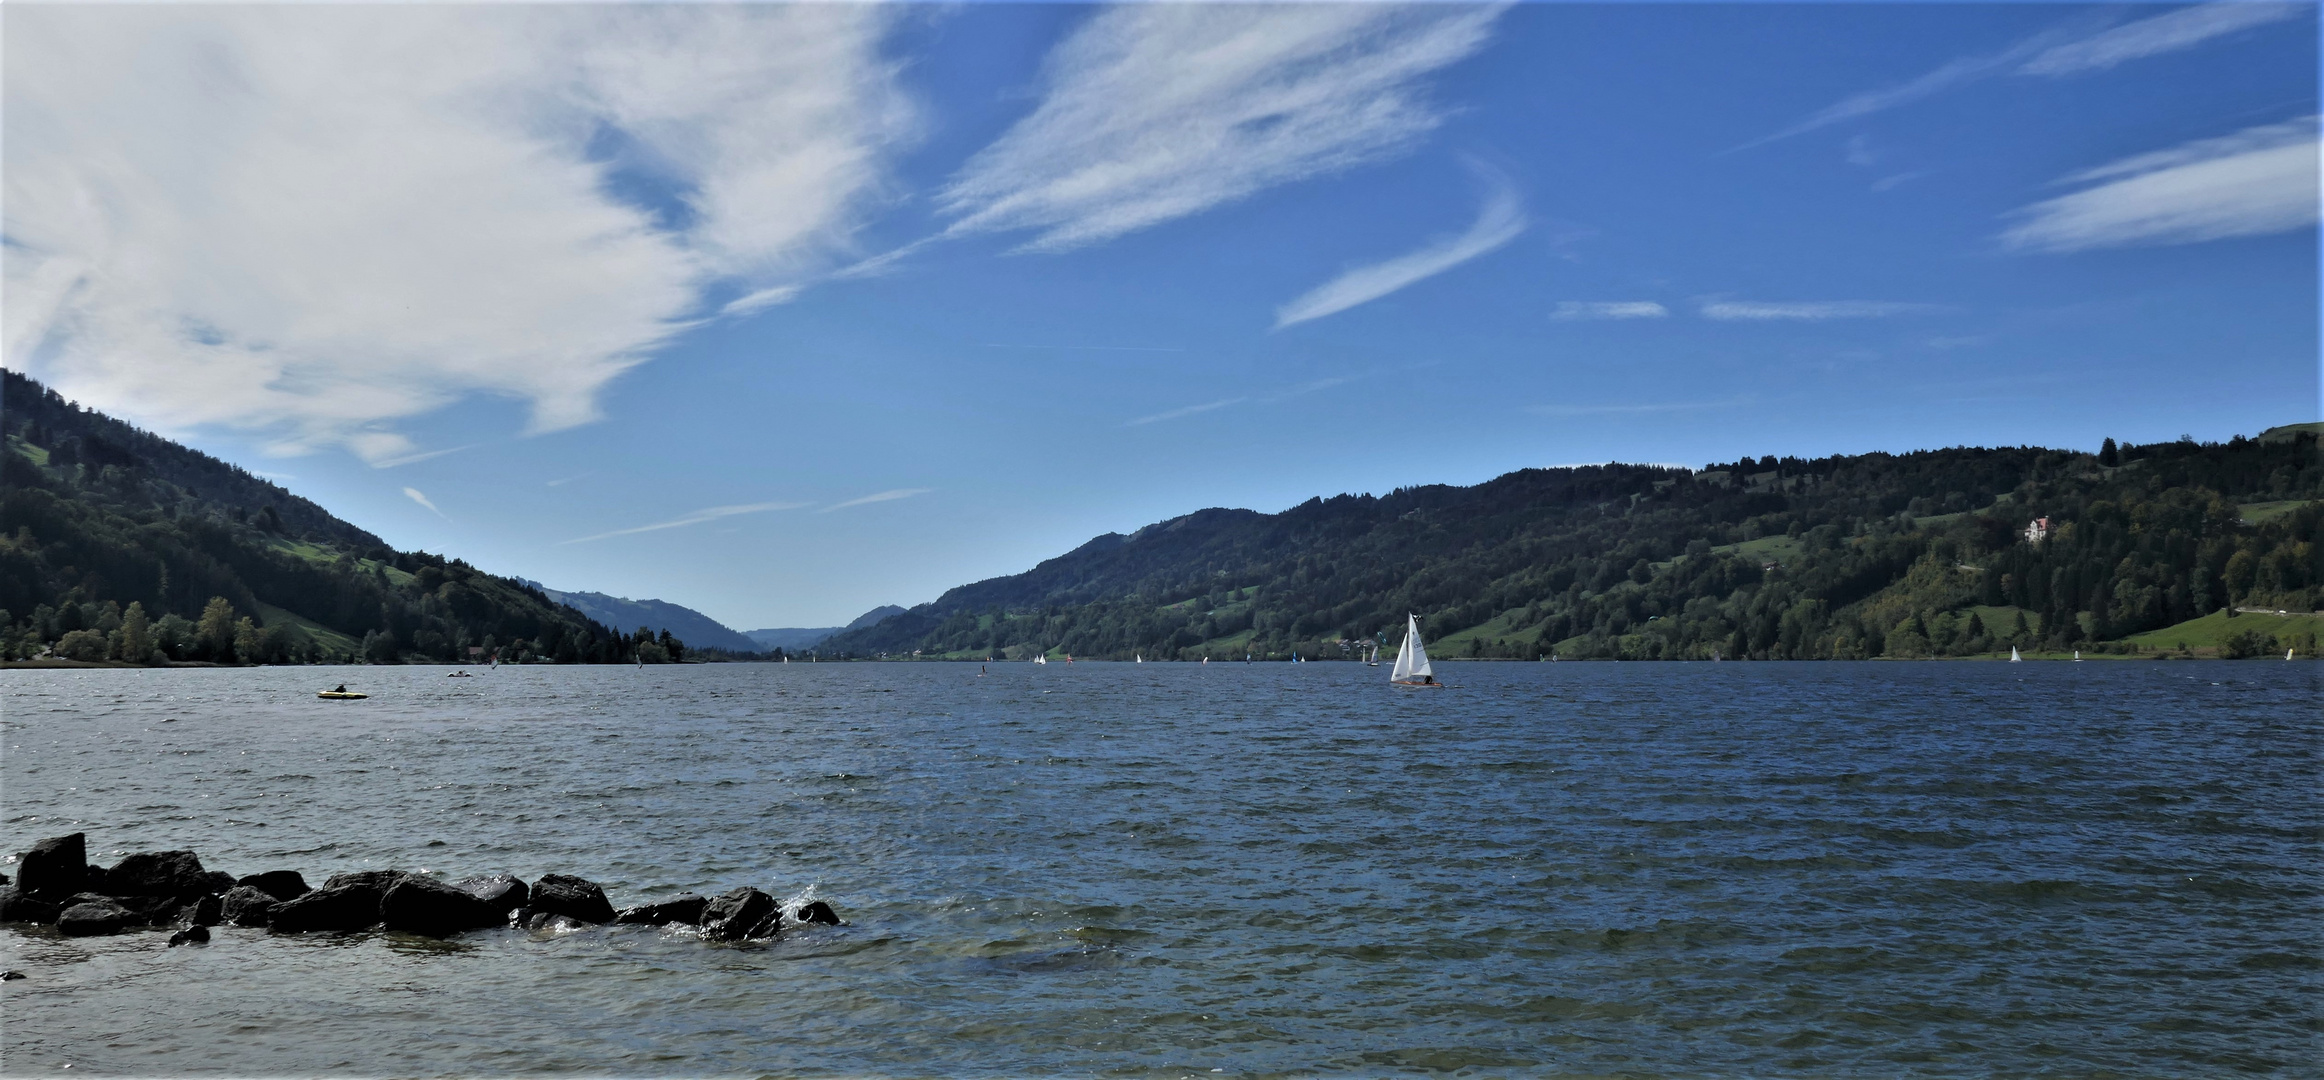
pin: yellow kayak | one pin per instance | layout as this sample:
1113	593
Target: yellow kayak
341	695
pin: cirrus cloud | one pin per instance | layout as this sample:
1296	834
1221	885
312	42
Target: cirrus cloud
2256	181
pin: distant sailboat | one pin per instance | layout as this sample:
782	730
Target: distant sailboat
2013	657
2077	656
2287	654
1374	659
1141	657
1412	667
1041	659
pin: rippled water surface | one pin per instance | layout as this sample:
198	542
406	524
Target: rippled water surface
1170	869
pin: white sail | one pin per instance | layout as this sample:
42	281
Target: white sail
1041	658
2013	657
1411	660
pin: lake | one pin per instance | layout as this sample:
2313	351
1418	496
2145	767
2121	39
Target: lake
1573	869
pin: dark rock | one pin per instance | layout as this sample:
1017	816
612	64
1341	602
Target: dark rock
279	884
16	905
684	909
204	911
378	879
93	879
157	873
90	918
3	879
426	906
562	894
735	914
503	892
818	913
246	905
550	920
216	882
350	906
195	934
10	976
768	927
58	866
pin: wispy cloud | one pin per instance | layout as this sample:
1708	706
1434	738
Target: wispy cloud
1888	182
1499	221
1811	310
1153	112
199	235
2259	180
1648	407
2063	50
2184	28
1189	410
564	480
1579	310
878	497
696	518
414	495
422	455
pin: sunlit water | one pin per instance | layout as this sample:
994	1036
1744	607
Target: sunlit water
1169	869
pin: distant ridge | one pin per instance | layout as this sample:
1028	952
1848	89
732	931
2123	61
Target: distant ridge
694	628
798	638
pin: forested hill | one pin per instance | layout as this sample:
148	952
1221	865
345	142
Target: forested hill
116	544
1902	555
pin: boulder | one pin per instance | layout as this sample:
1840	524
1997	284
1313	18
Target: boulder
91	917
157	873
16	905
58	866
350	906
279	884
684	909
216	882
733	915
561	894
246	905
819	913
549	920
768	927
93	879
504	892
377	879
149	910
206	910
194	935
426	906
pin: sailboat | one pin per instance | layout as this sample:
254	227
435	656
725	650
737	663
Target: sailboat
1043	658
2013	657
2287	654
1141	657
1374	659
2077	656
1412	667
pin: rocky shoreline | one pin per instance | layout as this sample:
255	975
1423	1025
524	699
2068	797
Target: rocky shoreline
56	885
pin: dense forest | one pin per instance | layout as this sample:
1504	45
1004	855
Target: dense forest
116	544
1876	555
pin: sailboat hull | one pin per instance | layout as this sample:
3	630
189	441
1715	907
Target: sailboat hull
1417	685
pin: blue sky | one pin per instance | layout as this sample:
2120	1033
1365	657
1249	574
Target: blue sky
785	312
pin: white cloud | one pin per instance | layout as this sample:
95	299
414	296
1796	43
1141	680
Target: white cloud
318	221
878	497
1498	222
2062	50
1576	310
1809	310
2177	30
2256	181
1157	111
414	495
1189	410
696	518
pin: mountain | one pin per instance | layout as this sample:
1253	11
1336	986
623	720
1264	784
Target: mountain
696	629
1869	555
120	544
795	639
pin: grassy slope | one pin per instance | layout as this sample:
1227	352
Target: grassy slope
2201	635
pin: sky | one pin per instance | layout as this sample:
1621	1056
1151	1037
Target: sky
783	312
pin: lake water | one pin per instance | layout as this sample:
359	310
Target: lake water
1935	869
